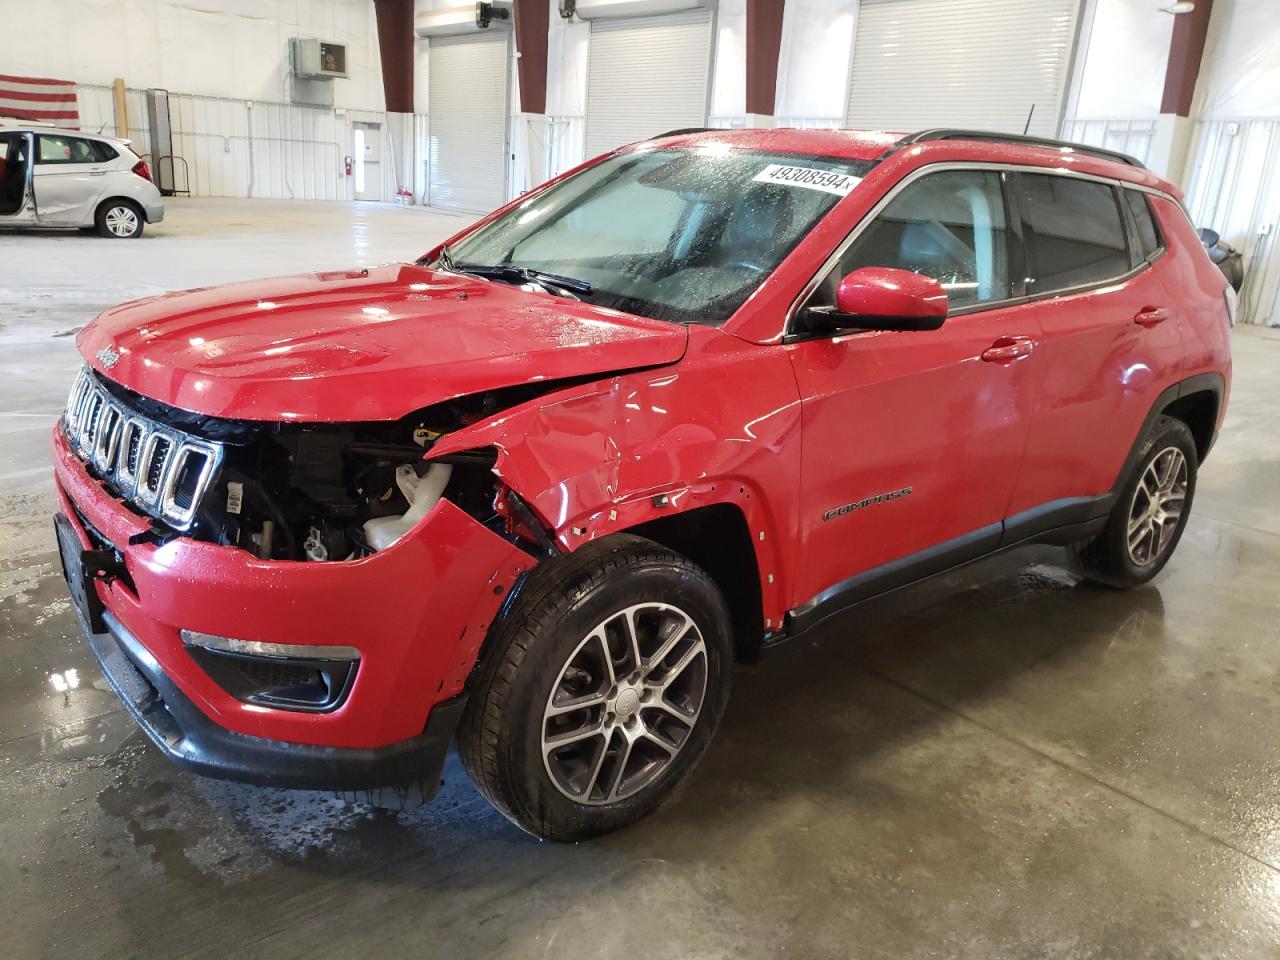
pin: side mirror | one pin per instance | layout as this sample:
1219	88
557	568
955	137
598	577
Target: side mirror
881	298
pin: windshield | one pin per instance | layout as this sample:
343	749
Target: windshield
680	235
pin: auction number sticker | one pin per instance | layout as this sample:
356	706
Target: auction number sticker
828	181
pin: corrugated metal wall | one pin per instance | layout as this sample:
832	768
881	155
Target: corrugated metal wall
239	148
1234	188
1128	135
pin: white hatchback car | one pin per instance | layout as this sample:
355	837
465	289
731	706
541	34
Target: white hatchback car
76	180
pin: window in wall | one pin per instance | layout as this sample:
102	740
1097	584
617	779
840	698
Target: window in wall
1148	234
949	226
1075	234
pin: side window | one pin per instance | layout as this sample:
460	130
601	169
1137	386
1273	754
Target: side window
101	152
51	148
1148	234
1075	234
949	226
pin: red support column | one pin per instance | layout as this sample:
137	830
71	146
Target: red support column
1185	52
395	45
764	41
532	22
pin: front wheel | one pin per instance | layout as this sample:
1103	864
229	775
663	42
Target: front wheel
601	689
1151	512
119	219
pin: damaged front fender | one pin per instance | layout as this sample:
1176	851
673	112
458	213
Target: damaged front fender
609	456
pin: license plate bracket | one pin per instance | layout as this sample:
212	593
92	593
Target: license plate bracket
79	575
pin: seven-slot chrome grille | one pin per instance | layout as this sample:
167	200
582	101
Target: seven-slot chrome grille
162	470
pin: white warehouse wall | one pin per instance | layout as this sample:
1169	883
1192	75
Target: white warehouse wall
1233	177
226	67
1118	81
1241	72
236	49
1121	71
813	63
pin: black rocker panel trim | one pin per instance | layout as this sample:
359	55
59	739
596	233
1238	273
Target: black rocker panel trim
1058	522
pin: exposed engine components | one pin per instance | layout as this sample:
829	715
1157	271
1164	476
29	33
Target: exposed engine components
422	492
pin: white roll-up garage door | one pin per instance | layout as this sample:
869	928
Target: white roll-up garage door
646	75
467	123
977	64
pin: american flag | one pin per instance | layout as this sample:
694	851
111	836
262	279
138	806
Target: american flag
38	98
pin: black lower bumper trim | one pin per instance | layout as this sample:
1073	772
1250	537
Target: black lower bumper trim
189	738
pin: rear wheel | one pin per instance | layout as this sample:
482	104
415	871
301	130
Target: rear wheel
119	219
1151	512
601	690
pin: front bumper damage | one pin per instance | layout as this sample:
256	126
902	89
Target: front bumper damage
417	612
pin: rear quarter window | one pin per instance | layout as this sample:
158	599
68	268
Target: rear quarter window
1148	233
102	152
1074	233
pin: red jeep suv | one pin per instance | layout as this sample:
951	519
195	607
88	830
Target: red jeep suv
541	488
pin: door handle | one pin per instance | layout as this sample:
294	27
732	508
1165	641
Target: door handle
1150	316
1008	349
97	173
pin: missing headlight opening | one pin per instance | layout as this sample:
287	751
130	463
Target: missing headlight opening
323	493
326	492
329	493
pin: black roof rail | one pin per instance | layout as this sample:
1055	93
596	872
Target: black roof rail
681	131
945	133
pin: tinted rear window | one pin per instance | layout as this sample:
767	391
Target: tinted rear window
1148	234
1075	233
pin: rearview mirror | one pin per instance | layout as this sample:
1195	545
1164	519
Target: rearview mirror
881	298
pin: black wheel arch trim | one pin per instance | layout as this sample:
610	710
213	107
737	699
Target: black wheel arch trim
1213	383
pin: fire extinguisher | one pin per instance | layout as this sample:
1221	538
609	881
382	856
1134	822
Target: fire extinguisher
346	163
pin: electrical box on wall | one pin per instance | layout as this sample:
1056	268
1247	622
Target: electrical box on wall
317	59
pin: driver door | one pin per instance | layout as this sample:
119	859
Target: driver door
912	441
15	178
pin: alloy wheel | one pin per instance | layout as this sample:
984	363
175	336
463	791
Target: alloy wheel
624	703
122	221
1157	506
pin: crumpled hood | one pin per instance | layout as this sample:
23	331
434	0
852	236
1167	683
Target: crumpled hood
362	345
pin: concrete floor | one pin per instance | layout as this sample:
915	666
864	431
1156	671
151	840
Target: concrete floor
1004	762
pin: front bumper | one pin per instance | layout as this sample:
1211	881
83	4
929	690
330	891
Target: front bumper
408	771
417	612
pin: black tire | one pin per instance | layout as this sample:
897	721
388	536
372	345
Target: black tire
551	623
112	213
1107	558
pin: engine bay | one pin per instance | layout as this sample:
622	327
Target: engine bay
327	492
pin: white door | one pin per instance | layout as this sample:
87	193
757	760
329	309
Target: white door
467	122
919	64
645	76
68	178
15	177
368	160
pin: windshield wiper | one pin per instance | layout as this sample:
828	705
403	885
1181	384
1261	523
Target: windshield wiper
512	273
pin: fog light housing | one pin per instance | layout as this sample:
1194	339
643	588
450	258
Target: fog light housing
283	676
